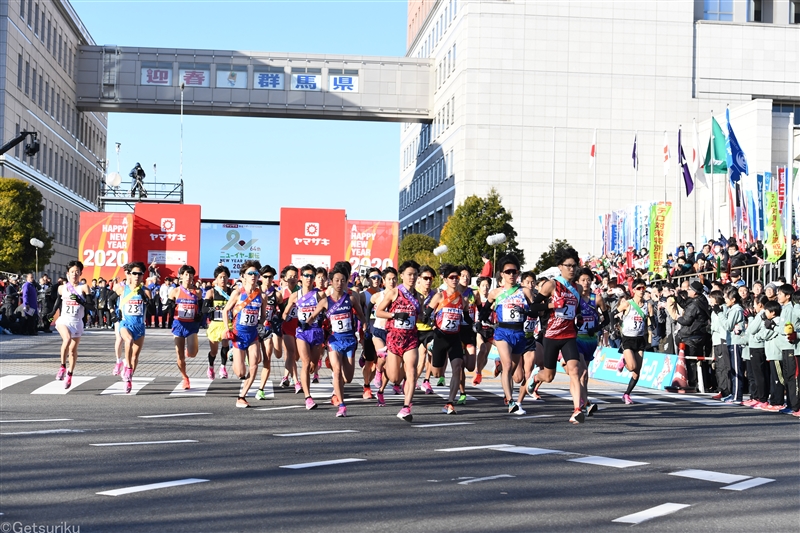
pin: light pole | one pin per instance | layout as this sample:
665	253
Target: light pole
493	241
439	251
36	243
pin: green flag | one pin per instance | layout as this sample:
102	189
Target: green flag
720	150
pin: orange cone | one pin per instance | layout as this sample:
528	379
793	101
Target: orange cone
680	383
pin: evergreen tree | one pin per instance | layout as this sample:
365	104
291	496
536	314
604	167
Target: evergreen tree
20	221
419	248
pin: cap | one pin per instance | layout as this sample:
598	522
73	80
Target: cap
736	274
697	287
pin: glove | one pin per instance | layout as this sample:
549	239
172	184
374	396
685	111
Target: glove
769	324
401	316
792	337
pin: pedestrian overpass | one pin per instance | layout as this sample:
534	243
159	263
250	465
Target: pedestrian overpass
254	84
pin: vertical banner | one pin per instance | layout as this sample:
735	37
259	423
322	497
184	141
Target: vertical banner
168	234
761	205
371	243
774	244
660	224
781	188
106	240
311	236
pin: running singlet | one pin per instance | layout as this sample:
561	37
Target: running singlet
379	323
531	327
306	305
561	319
425	301
71	310
449	313
505	306
368	305
271	297
404	303
221	297
132	303
287	292
340	314
633	322
469	295
185	305
589	314
247	316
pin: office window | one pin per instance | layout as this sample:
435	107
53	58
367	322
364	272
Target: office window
30	12
41	34
718	10
794	12
33	86
16	132
754	14
47	97
36	20
19	71
49	32
60	48
27	76
41	89
22	9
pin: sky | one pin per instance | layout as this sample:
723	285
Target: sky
248	168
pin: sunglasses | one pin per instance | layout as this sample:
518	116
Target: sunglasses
569	265
252	273
639	288
267	276
309	276
511	272
453	277
426	278
136	273
374	277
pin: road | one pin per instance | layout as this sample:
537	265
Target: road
94	459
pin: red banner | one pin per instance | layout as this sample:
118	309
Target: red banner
371	243
311	236
105	244
168	233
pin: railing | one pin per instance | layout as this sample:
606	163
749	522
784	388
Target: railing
171	193
766	273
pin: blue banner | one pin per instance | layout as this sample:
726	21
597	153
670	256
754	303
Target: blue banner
657	372
760	181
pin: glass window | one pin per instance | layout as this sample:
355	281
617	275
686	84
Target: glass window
19	71
27	76
36	20
794	13
718	10
22	9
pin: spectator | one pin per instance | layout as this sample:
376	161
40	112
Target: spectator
487	270
30	304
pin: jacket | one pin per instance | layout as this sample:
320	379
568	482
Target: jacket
696	317
733	319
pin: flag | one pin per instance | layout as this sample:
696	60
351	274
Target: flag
635	154
695	164
593	152
687	176
735	159
719	149
666	154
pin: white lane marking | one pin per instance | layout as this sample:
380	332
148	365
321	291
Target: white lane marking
467	448
532	416
648	514
118	388
321	391
174	414
41	420
694	399
528	451
489	478
750	483
566	395
444	393
708	475
442	425
606	461
269	392
199	387
646	400
7	381
322	463
279	408
57	387
151	486
142	442
314	433
45	432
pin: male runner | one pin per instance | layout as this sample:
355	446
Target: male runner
594	318
379	333
72	298
133	297
634	335
187	305
216	300
485	332
289	328
425	331
467	328
269	331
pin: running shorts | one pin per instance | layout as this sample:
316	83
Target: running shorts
380	333
369	352
136	329
399	342
425	338
586	347
530	344
635	344
468	336
74	327
313	336
264	332
567	347
185	329
514	337
345	344
215	331
245	337
446	346
289	327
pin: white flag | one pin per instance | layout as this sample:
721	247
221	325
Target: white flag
666	154
593	152
698	173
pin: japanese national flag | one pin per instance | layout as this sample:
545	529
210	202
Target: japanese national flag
593	152
666	154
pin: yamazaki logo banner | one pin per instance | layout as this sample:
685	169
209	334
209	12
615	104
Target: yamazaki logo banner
168	234
311	236
372	243
105	244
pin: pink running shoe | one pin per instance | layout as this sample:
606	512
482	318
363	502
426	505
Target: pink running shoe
342	412
749	403
117	369
426	386
297	387
796	413
210	372
405	414
68	382
626	399
760	405
397	389
223	372
128	387
61	373
378	378
620	364
773	408
127	374
381	400
310	404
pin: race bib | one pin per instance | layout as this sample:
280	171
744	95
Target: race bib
305	313
248	317
186	311
341	323
268	314
218	313
71	309
451	320
406	324
512	313
136	309
530	325
567	312
292	313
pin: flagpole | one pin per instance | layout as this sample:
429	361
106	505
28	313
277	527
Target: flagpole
553	189
789	201
678	199
729	197
711	184
636	170
594	195
666	177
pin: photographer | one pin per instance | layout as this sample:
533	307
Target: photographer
137	176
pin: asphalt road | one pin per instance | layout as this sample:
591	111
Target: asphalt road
480	470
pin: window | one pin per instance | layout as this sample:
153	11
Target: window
49	32
47	97
36	20
755	11
41	89
718	10
27	76
33	86
19	71
16	132
794	12
41	34
60	48
22	9
30	12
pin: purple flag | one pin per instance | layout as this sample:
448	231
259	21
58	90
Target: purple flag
635	155
687	176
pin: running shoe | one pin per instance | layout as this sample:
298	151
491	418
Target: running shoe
381	400
717	396
378	378
397	389
462	400
260	395
796	413
760	405
68	382
61	373
626	399
733	401
210	372
535	395
405	414
128	387
727	399
512	407
310	404
241	402
127	374
328	363
441	382
505	400
223	372
315	378
620	364
449	409
531	386
750	403
773	408
342	412
117	369
786	410
186	385
477	379
362	362
591	408
335	400
498	367
577	417
367	394
284	381
520	411
426	386
297	387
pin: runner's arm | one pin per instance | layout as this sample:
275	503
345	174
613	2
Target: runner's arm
389	296
322	305
362	317
289	305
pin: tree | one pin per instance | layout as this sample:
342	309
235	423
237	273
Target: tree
466	230
20	221
419	248
548	259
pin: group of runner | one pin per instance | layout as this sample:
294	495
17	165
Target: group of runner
409	327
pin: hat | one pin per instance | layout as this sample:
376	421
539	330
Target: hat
736	274
697	287
688	244
773	286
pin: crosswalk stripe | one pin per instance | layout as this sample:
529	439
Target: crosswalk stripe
566	395
444	393
57	387
199	388
269	392
137	384
7	381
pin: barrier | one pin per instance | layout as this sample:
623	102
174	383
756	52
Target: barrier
657	371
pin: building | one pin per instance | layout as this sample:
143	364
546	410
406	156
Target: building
38	64
520	87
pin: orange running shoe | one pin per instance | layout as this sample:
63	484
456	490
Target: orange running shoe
367	395
186	385
477	379
498	368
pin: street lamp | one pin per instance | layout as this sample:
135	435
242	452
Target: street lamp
36	243
493	241
439	251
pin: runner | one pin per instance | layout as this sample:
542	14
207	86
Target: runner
216	300
133	297
379	333
561	333
534	353
467	330
187	304
594	315
511	303
401	307
289	328
369	356
339	309
425	331
634	336
485	332
269	331
247	307
73	301
308	335
448	310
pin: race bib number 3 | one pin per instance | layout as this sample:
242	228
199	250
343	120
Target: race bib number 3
135	309
341	323
248	317
305	313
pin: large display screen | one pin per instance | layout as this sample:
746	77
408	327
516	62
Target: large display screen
232	243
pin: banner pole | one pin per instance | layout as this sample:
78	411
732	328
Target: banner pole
789	200
678	199
594	197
